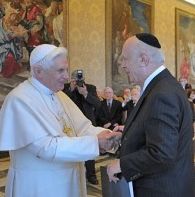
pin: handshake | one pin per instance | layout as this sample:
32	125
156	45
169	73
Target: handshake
109	140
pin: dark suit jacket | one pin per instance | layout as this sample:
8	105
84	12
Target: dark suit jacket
129	107
156	150
113	116
89	105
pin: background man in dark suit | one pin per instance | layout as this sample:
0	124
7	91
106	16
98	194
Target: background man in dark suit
85	97
110	111
128	106
156	152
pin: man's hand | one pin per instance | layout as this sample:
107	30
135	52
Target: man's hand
112	169
83	90
108	140
119	128
107	125
73	85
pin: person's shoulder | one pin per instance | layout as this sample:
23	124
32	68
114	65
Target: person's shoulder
20	89
66	86
103	101
23	93
117	102
90	86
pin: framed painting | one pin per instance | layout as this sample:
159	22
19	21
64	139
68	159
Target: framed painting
124	18
185	45
25	24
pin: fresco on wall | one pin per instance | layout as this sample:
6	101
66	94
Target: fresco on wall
128	18
25	24
185	46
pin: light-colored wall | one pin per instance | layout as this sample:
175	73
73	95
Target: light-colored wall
87	35
87	39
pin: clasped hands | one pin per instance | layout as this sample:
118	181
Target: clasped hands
108	140
114	167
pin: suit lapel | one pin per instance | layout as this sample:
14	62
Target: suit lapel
150	86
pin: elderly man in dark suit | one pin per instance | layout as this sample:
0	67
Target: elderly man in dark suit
85	97
110	111
156	152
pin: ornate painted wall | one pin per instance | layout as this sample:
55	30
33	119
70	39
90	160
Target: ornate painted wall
87	35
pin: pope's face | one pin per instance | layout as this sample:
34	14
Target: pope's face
55	77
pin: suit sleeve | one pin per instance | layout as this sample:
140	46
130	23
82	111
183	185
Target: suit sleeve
101	115
161	128
118	114
92	97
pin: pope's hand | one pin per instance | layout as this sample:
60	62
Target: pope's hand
107	125
112	169
108	140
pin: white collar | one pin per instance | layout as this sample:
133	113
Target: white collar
151	76
38	85
109	101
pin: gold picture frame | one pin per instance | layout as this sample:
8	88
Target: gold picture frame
185	45
123	19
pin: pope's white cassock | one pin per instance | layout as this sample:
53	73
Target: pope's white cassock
49	139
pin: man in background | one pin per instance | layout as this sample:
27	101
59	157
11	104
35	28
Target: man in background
110	111
85	97
135	92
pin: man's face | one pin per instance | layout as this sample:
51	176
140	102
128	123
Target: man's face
131	62
127	92
108	94
135	94
73	82
55	77
183	82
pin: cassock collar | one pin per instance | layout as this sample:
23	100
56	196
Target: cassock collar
38	85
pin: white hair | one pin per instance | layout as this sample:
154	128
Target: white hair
108	88
136	87
156	54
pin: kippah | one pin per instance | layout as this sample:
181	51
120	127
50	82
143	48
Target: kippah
149	39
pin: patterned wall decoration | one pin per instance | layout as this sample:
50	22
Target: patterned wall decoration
87	39
24	25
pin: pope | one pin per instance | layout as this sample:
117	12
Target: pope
47	136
